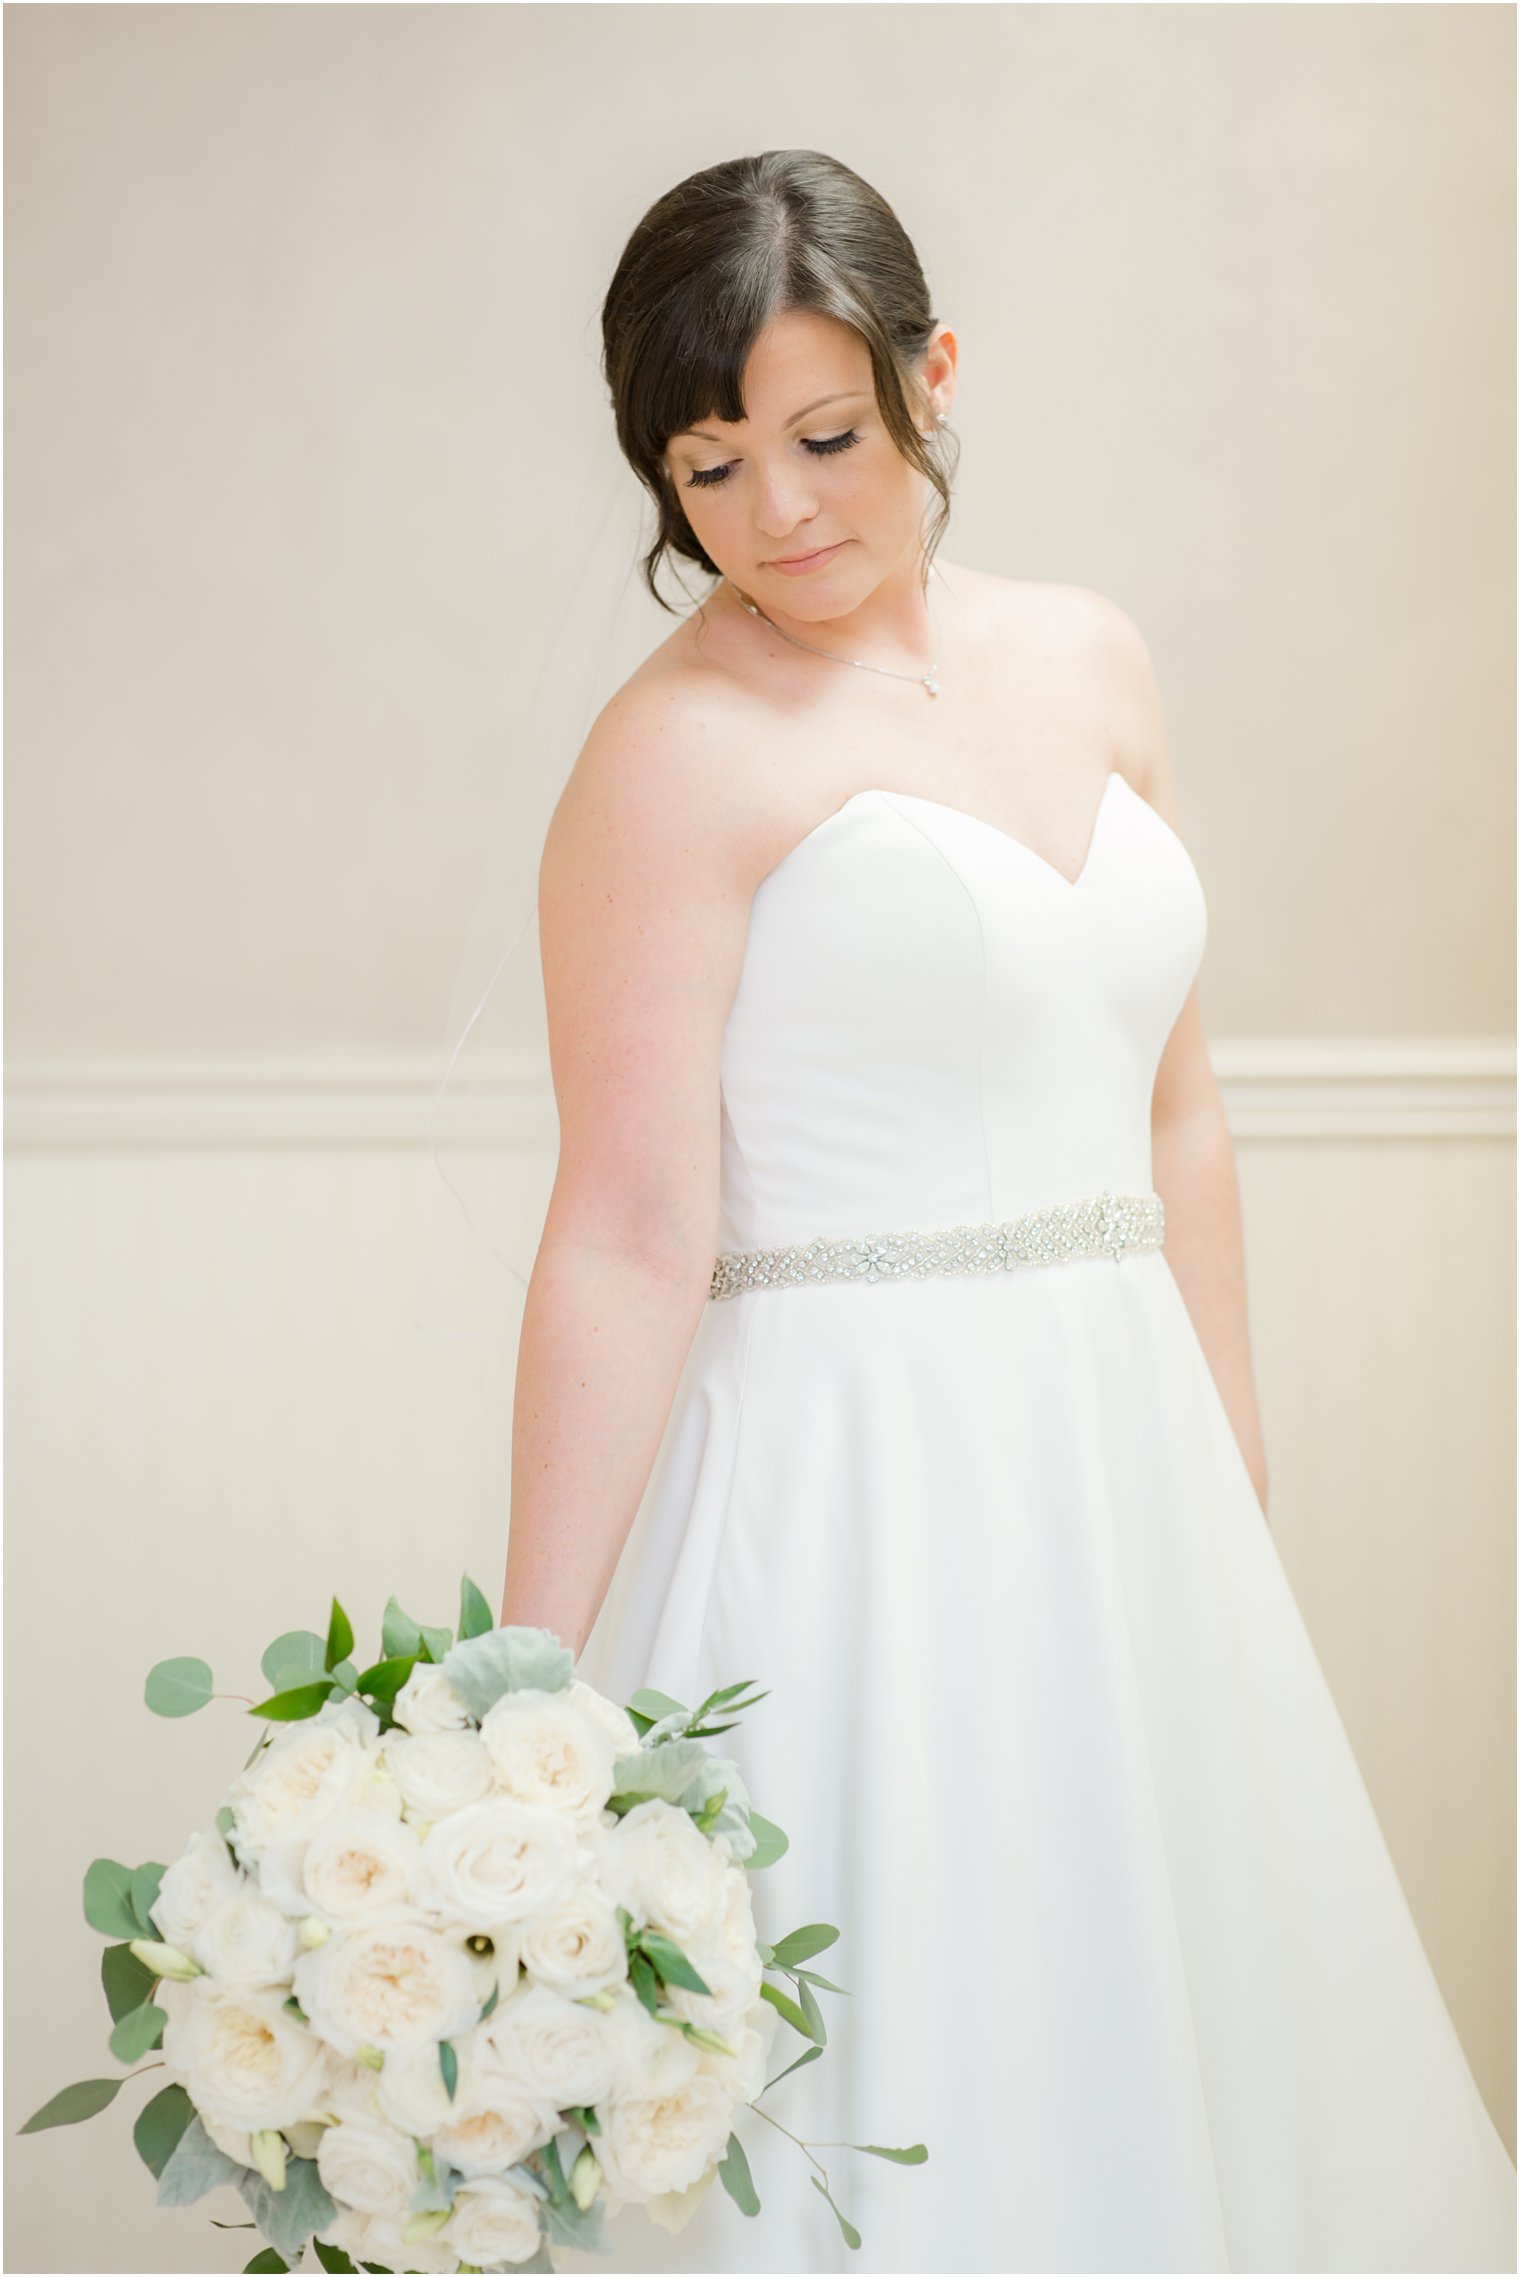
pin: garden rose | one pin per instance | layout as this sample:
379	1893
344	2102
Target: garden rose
244	2059
547	1752
498	1861
386	1985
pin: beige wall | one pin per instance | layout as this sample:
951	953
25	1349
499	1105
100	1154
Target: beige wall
300	332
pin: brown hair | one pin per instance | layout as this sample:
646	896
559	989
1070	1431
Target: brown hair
718	258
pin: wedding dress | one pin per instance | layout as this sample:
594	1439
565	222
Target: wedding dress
1121	1938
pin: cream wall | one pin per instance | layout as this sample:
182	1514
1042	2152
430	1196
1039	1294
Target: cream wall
300	331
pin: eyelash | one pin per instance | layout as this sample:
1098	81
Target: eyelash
707	478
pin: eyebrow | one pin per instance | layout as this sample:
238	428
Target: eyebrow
844	396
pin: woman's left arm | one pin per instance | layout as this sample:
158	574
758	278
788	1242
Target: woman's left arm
1192	1151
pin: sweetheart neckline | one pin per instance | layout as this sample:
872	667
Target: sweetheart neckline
978	822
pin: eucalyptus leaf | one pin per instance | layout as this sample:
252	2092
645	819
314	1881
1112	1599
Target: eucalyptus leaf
128	1981
811	1976
287	2217
448	2064
802	1944
851	2233
655	1705
788	2008
475	1615
399	1633
814	2014
178	1687
267	2260
297	1657
671	1962
71	2104
482	1668
914	2155
160	2124
808	2056
770	1842
645	1983
144	1892
735	2176
436	1642
138	2031
194	2167
108	1899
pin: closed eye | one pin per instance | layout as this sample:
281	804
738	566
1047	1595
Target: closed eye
702	478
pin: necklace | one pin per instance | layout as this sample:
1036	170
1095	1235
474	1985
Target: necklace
927	679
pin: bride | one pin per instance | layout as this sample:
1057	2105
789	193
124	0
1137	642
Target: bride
870	947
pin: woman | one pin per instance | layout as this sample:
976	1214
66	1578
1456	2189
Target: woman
870	948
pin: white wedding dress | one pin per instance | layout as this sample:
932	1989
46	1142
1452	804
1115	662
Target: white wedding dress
1121	1937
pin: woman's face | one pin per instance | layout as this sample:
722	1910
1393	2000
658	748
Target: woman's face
812	467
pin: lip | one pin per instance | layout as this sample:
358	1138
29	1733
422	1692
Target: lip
800	563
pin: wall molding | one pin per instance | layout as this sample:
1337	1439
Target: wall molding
1274	1087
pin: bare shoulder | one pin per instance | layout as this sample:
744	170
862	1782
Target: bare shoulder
1101	641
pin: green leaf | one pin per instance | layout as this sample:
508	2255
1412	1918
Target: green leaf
475	1615
656	1705
851	2233
490	2004
399	1633
330	2256
808	2056
340	1636
268	2259
108	1899
735	2176
139	2030
160	2123
914	2155
811	1976
128	1981
385	1679
300	1701
297	1657
70	2104
789	2009
770	1842
435	1643
144	1891
670	1962
644	1981
817	2029
448	2064
177	1687
802	1944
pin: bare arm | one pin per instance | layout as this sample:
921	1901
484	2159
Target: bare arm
1192	1151
643	918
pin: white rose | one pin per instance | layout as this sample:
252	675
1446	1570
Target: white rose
744	2073
245	2060
498	1861
650	2144
386	1985
665	1871
673	2209
362	1866
647	2058
312	1771
576	1946
246	1941
428	1702
200	1879
370	2238
554	2048
494	2126
439	1771
615	1721
369	2164
410	2089
546	1751
493	2221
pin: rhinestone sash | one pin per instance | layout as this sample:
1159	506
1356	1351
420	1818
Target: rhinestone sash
1097	1225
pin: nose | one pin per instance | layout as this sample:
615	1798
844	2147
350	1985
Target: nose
785	503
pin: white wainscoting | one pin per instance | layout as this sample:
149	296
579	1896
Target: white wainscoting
226	1399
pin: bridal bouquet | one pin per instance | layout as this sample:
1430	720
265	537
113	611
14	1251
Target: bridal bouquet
467	1960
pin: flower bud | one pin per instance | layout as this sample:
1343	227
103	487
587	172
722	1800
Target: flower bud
603	2000
419	2227
268	2147
166	1960
584	2177
705	2037
312	1932
374	2057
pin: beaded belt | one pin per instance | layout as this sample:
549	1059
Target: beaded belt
1099	1225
